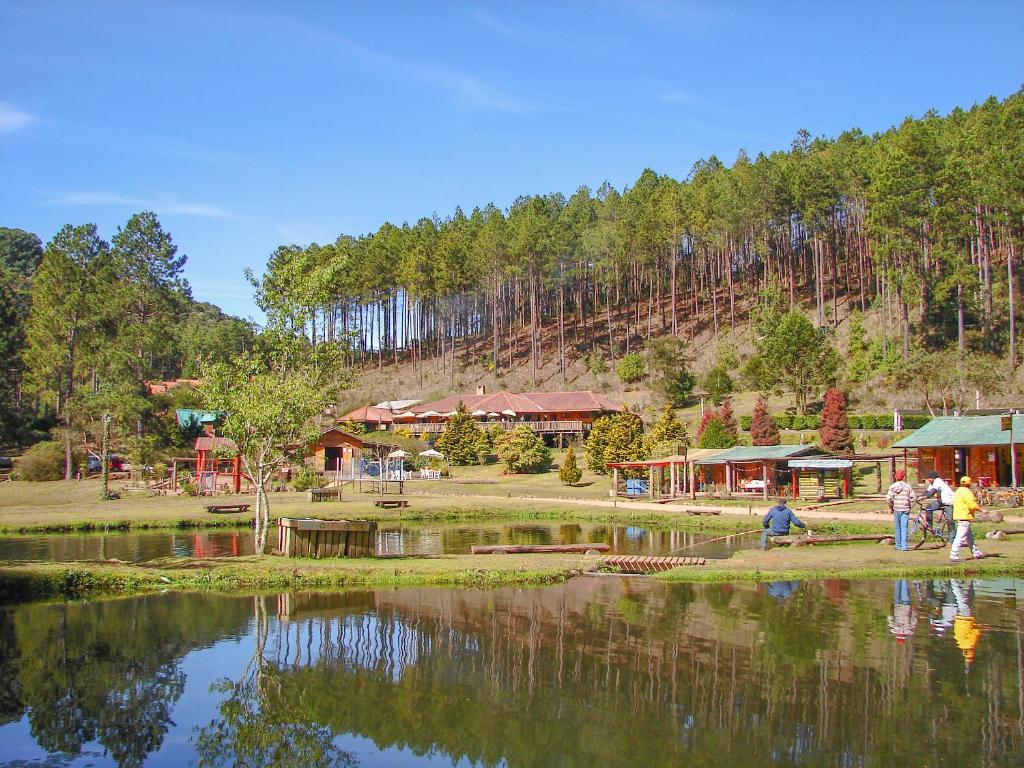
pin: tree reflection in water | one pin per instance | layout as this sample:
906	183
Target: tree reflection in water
257	727
594	672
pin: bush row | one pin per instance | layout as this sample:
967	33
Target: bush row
857	421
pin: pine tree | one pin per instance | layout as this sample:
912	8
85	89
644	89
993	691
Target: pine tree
626	439
763	429
835	427
462	440
729	420
668	428
713	433
569	473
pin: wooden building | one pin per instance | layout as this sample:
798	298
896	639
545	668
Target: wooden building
977	446
760	469
338	452
547	413
669	477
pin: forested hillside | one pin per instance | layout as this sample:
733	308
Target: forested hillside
909	237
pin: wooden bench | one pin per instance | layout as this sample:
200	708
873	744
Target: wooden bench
391	503
227	508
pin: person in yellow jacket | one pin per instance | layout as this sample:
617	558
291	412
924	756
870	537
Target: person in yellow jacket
966	630
964	507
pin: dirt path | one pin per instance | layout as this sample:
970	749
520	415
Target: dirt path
683	509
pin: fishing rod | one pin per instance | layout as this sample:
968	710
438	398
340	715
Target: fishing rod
727	536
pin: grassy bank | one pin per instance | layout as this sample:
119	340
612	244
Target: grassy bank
856	561
20	582
60	507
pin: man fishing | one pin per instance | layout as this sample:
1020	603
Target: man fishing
777	522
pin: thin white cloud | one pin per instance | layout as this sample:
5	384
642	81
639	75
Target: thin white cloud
495	24
166	205
467	89
12	118
676	96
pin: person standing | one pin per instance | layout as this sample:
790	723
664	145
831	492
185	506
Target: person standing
900	497
939	487
776	522
964	506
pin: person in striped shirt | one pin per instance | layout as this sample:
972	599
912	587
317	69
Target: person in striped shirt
900	497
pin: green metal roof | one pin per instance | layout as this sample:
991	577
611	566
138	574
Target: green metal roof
761	453
957	431
186	415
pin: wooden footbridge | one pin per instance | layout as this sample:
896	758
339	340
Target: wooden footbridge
648	564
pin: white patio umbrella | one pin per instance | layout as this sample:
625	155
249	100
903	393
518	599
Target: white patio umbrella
475	413
509	412
399	454
430	453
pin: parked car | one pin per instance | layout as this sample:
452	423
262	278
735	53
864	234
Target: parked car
93	463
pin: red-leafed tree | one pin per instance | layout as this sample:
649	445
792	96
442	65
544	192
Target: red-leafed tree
835	427
763	429
729	419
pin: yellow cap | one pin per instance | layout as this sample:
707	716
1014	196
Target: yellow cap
965	480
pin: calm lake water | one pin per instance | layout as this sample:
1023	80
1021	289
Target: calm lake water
597	672
407	539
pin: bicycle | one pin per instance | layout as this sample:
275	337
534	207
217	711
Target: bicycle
939	527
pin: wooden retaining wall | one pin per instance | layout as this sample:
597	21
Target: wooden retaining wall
307	537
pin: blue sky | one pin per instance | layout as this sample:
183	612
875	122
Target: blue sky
248	125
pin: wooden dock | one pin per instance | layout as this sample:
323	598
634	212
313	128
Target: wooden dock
307	537
645	564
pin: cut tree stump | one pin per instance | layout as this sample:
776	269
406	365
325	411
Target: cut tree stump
1002	533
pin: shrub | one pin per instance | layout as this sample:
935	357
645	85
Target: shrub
915	420
596	363
305	479
463	442
631	368
783	420
799	423
883	421
523	450
569	473
43	461
745	422
867	421
854	421
188	485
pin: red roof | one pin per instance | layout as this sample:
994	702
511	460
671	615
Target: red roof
525	402
371	414
205	443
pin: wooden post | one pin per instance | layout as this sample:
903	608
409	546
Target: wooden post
878	478
650	482
615	481
692	473
764	480
728	477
